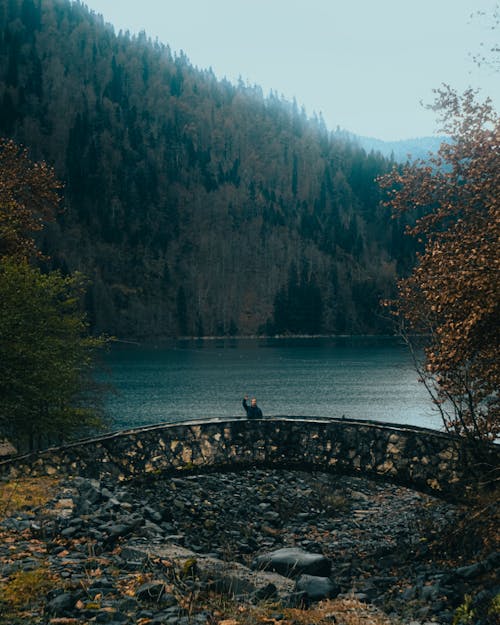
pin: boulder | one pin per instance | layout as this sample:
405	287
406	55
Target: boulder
230	578
317	588
293	562
61	604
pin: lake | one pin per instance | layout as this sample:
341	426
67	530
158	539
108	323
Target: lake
362	377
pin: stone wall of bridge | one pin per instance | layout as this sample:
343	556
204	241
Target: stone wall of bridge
421	459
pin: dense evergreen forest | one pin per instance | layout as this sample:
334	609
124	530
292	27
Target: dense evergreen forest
195	206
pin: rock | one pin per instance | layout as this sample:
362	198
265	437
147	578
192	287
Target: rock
128	604
106	493
69	532
272	517
152	514
361	596
61	604
230	578
430	593
151	591
269	591
111	617
145	614
119	530
317	588
102	584
468	572
133	555
293	562
90	494
493	561
179	539
409	593
163	619
369	589
295	600
151	530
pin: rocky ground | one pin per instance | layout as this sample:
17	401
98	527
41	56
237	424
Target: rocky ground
202	549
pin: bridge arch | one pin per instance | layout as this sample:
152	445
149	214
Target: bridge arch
419	458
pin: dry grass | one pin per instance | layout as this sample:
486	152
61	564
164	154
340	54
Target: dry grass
226	611
338	611
345	611
22	493
26	588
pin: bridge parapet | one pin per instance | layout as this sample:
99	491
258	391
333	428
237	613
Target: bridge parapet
422	459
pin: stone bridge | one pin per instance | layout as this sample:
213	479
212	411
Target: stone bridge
422	459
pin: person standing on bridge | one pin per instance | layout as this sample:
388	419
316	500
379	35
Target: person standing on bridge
253	411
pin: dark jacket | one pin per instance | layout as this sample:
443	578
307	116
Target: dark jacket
253	412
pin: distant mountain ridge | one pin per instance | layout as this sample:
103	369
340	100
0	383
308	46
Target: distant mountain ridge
416	148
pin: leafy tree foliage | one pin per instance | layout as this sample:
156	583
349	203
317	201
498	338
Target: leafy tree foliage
175	180
46	357
453	294
47	391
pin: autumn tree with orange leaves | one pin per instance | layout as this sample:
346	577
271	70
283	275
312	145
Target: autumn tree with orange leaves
29	197
47	387
452	297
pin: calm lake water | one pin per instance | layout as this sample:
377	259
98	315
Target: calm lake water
369	378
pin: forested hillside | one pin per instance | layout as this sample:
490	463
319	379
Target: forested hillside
194	205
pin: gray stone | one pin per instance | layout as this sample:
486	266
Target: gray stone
469	572
111	618
167	600
293	562
119	530
295	600
151	591
106	493
133	554
128	604
153	514
409	593
361	596
90	490
268	591
61	604
164	619
430	593
179	539
272	517
150	530
102	583
317	588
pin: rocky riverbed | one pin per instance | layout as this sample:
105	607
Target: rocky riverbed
160	550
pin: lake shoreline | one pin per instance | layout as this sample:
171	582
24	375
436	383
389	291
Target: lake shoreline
164	341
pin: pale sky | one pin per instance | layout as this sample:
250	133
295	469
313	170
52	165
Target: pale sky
366	65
